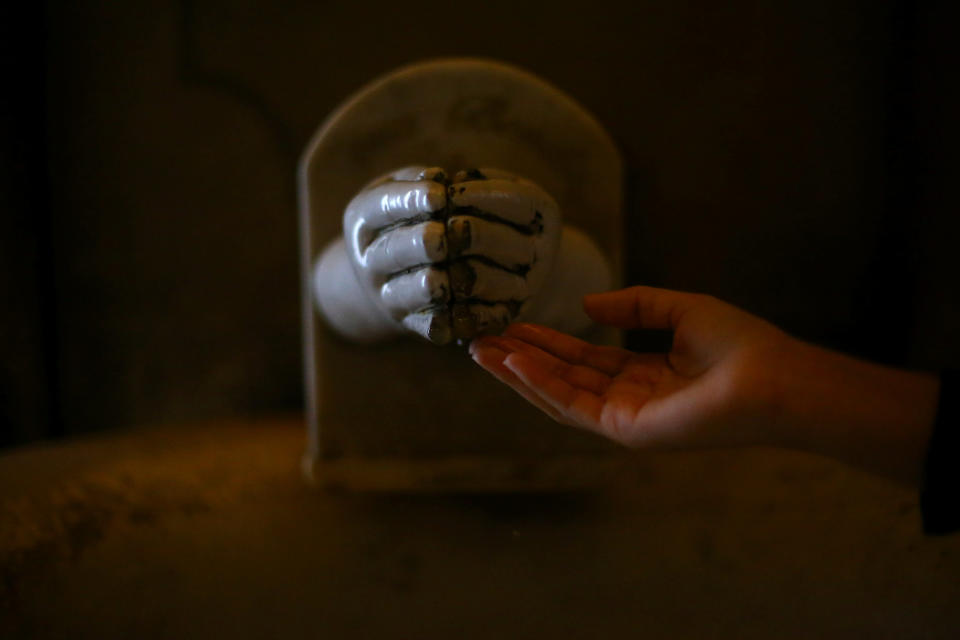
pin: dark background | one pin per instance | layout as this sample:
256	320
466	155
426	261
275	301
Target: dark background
795	158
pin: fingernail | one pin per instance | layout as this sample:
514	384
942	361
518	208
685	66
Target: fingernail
474	345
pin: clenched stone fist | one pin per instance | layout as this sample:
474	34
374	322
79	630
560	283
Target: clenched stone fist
452	257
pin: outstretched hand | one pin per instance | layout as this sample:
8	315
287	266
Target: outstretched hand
730	379
715	387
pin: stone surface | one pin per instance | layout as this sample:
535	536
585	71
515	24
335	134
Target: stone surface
208	530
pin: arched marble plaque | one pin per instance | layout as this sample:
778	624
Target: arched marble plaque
409	415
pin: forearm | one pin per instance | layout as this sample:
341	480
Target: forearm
871	416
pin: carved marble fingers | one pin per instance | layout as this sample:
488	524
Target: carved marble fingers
450	258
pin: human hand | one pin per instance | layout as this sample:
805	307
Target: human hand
452	258
716	387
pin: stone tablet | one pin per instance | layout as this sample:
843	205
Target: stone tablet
408	415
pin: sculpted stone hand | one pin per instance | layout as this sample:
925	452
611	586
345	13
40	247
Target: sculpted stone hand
448	258
452	258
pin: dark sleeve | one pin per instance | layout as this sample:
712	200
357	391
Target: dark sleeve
939	504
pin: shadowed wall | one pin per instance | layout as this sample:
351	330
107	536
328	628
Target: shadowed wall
789	159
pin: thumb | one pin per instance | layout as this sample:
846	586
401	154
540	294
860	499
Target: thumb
639	307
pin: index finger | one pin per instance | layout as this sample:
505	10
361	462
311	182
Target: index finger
609	360
580	406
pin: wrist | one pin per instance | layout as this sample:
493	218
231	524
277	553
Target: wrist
341	299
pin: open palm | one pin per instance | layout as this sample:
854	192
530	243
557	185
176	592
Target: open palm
688	397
